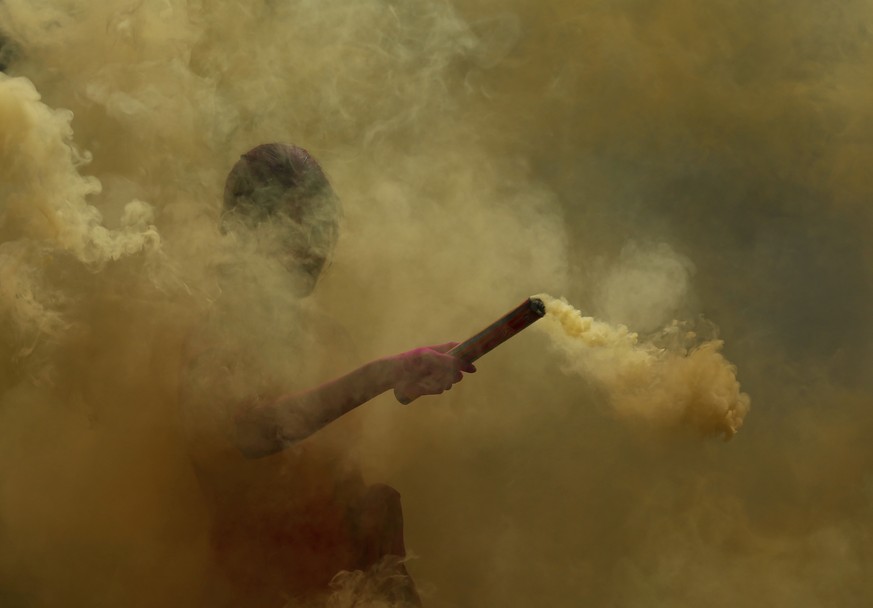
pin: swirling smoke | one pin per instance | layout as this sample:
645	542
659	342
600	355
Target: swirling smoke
694	171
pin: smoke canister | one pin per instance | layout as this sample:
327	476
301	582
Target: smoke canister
517	319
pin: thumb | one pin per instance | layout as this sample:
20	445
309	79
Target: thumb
444	348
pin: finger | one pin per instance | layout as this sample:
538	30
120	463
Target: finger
462	364
431	386
456	363
466	366
444	348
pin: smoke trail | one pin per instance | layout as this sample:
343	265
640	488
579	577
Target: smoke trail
664	386
48	227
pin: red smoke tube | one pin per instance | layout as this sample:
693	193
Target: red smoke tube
520	317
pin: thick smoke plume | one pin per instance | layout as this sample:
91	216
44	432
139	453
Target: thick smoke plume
649	160
45	212
665	386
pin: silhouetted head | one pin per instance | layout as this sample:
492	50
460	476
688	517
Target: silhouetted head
280	193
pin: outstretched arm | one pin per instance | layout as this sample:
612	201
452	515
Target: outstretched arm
267	426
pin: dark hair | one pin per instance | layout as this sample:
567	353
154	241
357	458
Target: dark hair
282	183
278	178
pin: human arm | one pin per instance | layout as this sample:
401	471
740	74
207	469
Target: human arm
265	426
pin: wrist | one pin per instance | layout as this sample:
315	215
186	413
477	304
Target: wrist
392	370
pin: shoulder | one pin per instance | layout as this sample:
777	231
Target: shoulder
331	336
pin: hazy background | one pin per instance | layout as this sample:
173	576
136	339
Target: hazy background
649	160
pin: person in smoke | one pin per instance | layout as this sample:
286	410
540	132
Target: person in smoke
288	514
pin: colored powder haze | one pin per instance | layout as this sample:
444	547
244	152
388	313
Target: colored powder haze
694	171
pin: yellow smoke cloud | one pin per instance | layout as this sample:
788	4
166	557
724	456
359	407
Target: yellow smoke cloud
657	385
649	160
